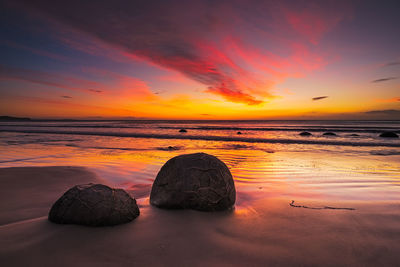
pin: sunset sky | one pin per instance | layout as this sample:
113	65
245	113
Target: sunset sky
200	59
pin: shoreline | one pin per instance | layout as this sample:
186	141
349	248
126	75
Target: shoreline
265	232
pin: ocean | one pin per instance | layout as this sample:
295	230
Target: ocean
267	159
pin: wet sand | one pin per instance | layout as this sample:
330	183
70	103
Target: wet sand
28	192
265	232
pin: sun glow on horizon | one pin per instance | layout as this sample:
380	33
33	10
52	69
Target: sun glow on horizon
290	62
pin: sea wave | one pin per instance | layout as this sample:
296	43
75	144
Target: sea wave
384	152
209	138
308	128
293	129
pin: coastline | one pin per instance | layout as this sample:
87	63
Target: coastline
265	232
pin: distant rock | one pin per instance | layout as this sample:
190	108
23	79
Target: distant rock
329	134
305	134
237	146
9	118
239	133
169	148
182	131
354	135
194	181
389	135
94	205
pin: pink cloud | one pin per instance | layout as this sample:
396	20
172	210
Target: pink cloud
49	79
194	39
118	85
123	85
313	20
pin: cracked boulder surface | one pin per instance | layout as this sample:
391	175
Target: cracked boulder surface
94	205
194	181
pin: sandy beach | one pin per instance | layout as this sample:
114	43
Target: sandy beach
268	232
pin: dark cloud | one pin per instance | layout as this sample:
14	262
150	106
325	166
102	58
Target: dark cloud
319	98
95	91
384	79
159	92
66	96
394	63
390	112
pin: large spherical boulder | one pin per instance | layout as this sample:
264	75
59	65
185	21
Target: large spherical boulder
194	181
94	205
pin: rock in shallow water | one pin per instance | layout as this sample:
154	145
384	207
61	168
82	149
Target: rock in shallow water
194	181
389	135
94	205
305	134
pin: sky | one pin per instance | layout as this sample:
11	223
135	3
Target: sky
200	59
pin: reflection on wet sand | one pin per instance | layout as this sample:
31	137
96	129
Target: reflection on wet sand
262	229
298	173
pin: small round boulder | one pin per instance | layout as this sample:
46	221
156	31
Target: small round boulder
329	134
389	135
94	205
305	134
194	181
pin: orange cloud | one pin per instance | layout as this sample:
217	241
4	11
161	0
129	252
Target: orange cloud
234	96
50	107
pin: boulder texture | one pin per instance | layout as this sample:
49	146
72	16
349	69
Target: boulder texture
94	205
194	181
